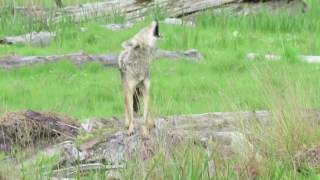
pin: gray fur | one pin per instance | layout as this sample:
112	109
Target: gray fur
135	67
135	63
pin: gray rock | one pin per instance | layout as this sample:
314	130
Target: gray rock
177	21
116	27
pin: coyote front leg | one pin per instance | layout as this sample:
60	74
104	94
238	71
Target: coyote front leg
148	123
129	90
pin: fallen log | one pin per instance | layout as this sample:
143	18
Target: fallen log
217	127
14	61
132	10
226	131
83	168
137	9
112	151
218	132
273	57
34	38
32	126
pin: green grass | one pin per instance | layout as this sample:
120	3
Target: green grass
224	81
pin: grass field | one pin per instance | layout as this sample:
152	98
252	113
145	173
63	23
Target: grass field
225	81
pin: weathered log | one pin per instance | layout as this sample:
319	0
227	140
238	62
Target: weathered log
14	61
113	151
132	10
118	147
83	168
273	57
217	132
34	38
220	127
31	125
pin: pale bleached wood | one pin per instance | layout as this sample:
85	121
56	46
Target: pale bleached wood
34	38
218	132
83	168
132	10
220	127
273	57
227	129
110	60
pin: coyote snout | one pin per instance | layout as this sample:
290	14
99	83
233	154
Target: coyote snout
135	67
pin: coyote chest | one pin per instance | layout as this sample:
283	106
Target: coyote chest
136	63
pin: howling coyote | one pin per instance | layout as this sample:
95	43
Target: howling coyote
135	66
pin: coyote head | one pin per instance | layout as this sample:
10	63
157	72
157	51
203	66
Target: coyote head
154	33
148	36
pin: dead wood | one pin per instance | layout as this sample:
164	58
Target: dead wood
226	130
273	57
34	38
132	10
221	132
85	168
202	129
28	128
14	61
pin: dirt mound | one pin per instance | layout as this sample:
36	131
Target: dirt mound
29	128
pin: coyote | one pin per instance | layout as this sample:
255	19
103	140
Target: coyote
135	68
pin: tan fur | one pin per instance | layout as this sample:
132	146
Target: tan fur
135	67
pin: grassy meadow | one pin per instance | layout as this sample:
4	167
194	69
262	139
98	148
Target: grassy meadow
224	81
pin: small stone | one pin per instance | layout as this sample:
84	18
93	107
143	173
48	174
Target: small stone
177	21
83	29
235	33
117	27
